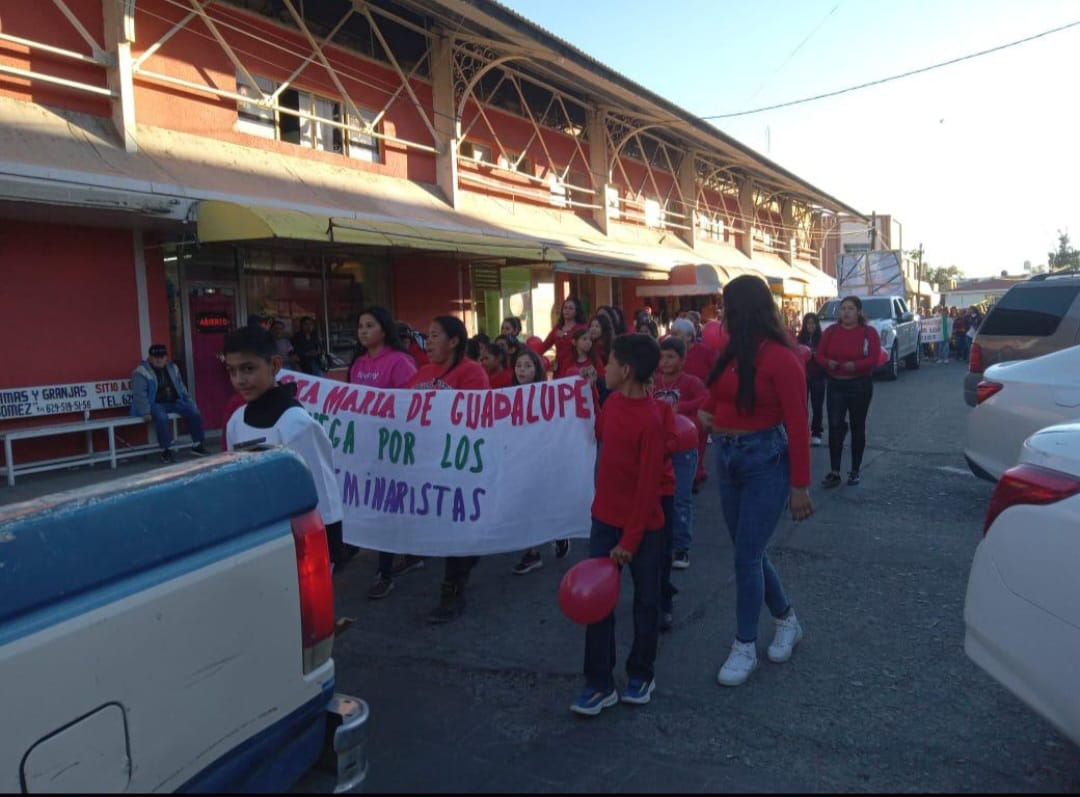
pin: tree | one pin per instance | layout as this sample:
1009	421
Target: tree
942	276
1066	257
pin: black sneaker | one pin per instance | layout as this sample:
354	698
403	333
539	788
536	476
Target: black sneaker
667	621
853	478
562	548
451	604
529	562
831	480
680	560
406	564
381	588
199	450
167	456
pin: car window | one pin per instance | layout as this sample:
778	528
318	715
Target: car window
1030	311
872	308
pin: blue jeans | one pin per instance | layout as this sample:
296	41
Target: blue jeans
685	464
943	349
752	471
186	410
645	569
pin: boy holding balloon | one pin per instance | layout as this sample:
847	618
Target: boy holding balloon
627	522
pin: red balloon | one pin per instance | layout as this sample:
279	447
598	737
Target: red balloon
589	590
686	433
714	335
535	344
805	352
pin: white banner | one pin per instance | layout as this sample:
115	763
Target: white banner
458	472
930	329
29	402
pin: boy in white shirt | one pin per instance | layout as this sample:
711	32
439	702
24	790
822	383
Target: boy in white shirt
273	416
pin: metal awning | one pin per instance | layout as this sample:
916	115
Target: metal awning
703	279
220	222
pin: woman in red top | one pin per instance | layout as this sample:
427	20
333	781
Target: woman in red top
849	353
449	369
756	410
573	318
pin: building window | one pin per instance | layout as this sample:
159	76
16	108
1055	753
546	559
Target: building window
319	126
654	214
515	161
481	153
612	201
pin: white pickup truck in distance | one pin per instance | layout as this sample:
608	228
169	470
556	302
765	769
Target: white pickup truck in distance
897	327
173	632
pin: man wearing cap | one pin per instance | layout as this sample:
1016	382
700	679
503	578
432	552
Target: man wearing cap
157	390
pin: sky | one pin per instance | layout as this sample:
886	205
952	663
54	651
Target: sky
979	161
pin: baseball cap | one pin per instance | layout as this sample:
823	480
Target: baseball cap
158	350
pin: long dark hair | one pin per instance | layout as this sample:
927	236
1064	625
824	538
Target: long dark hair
619	320
751	318
607	331
855	300
579	311
454	327
538	364
386	322
805	336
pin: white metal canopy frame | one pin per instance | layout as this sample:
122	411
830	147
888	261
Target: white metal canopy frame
687	177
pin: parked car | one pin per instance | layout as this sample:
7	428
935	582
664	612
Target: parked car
1035	317
897	327
1016	399
1022	611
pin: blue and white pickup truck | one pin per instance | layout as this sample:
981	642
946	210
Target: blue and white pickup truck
173	632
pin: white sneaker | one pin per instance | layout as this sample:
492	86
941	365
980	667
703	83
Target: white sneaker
788	633
815	440
740	663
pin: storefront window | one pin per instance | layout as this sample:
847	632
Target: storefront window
353	285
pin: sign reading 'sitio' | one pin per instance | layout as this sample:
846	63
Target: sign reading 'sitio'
458	472
30	402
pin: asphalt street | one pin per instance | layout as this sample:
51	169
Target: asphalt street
879	695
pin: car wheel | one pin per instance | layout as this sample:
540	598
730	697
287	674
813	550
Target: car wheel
892	368
914	360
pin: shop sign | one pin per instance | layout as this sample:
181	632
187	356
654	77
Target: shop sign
213	322
29	402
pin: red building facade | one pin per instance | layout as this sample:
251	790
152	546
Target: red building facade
170	167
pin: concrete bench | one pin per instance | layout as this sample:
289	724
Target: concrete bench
108	394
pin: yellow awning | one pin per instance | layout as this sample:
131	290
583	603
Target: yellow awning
220	221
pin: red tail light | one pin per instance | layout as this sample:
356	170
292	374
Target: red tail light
1029	484
975	363
985	390
316	589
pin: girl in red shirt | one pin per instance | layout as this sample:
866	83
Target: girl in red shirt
848	353
573	318
449	369
528	369
756	410
493	358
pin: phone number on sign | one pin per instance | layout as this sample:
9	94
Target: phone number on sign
66	406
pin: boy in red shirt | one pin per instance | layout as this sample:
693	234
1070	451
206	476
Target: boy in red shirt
627	522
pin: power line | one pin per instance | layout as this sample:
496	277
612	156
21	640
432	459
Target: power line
792	54
893	77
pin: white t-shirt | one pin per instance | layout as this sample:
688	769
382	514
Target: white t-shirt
297	430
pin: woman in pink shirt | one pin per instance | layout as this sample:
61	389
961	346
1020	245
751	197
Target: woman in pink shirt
384	363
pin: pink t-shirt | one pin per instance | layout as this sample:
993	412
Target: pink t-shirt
389	369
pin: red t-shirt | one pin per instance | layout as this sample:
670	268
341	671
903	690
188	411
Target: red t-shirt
779	397
466	375
501	378
564	346
631	464
699	361
686	393
859	344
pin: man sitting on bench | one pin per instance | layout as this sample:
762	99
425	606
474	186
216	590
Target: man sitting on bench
157	390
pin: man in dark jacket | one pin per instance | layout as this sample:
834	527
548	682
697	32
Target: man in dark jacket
157	390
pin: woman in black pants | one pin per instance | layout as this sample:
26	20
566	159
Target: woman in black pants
810	336
848	352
